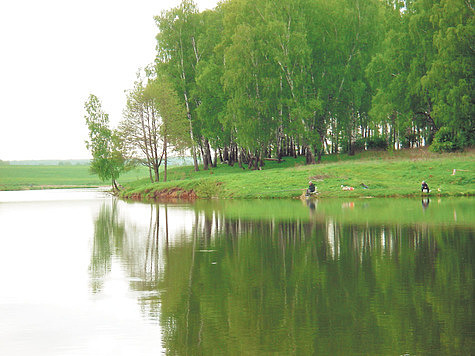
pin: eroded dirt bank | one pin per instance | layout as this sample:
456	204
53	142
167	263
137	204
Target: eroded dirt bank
172	194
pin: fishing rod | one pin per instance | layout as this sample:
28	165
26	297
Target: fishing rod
286	190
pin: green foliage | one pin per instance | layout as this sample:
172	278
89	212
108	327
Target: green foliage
107	159
409	138
360	144
377	142
444	141
178	56
173	123
425	69
450	77
371	143
254	75
153	121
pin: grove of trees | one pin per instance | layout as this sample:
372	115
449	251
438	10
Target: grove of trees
153	121
257	79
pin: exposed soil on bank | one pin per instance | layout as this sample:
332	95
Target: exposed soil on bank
173	194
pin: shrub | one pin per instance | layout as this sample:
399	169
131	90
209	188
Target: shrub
368	143
444	141
360	144
376	142
345	147
465	138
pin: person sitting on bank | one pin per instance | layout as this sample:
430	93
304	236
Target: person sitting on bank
311	189
424	187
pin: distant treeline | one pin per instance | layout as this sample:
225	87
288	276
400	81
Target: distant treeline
44	162
265	78
172	161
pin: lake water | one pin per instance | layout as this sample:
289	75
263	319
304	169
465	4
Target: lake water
83	273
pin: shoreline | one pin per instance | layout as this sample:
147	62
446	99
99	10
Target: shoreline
375	174
177	195
382	175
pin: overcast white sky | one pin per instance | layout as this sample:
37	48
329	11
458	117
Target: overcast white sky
54	53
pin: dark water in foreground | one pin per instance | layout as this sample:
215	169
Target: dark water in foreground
85	274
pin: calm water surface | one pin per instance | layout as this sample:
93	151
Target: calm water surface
83	273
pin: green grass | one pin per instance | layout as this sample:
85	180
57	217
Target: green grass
385	173
38	177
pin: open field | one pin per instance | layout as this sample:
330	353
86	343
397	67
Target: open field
384	174
18	177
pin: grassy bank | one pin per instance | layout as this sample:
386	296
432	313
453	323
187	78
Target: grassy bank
384	174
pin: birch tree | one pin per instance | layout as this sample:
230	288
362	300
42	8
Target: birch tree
107	161
140	127
178	55
173	127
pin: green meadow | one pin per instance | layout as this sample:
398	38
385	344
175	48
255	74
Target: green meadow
20	177
371	174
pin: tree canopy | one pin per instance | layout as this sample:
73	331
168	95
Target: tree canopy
107	159
258	79
321	76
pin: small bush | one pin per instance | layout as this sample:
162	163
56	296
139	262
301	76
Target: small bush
360	144
376	142
444	141
465	138
368	143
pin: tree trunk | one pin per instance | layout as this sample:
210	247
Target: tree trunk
146	148
351	145
204	156
220	154
215	163
225	155
114	185
291	148
279	143
239	159
193	147
207	151
153	144
187	104
150	171
157	174
309	157
231	156
165	144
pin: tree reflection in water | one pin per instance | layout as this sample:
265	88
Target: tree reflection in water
294	286
109	235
